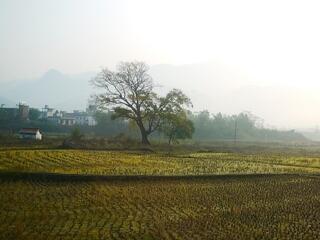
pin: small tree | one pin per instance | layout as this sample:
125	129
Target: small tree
76	134
177	126
129	93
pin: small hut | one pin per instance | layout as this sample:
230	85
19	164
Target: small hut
30	133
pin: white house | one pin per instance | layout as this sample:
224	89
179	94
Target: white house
30	133
67	121
91	121
83	118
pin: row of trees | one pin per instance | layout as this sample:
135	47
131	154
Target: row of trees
244	126
206	126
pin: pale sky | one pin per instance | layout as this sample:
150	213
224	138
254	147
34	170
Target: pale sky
277	43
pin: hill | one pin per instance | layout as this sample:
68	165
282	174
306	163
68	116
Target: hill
54	88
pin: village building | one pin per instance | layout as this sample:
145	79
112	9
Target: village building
47	112
20	113
83	118
30	133
23	111
67	121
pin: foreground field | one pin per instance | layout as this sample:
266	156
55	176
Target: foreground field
73	194
133	163
225	207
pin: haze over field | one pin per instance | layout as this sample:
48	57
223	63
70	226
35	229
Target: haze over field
228	56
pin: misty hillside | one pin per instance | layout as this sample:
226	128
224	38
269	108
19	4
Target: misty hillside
73	91
208	85
53	88
218	87
214	86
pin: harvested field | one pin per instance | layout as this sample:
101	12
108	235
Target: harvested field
225	207
73	194
133	163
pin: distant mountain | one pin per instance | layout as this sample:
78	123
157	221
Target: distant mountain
312	134
54	88
73	91
206	84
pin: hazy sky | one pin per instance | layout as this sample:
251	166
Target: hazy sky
275	43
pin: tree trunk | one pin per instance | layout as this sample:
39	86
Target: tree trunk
144	139
144	134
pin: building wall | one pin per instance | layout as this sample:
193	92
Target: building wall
67	122
36	136
23	111
91	121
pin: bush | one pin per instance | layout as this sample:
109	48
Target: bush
76	134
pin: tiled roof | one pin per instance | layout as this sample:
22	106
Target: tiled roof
29	130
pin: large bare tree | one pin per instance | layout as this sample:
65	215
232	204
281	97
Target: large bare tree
128	91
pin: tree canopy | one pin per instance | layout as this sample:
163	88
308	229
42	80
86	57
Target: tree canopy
129	92
177	126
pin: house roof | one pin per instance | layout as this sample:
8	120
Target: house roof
29	130
80	114
67	118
